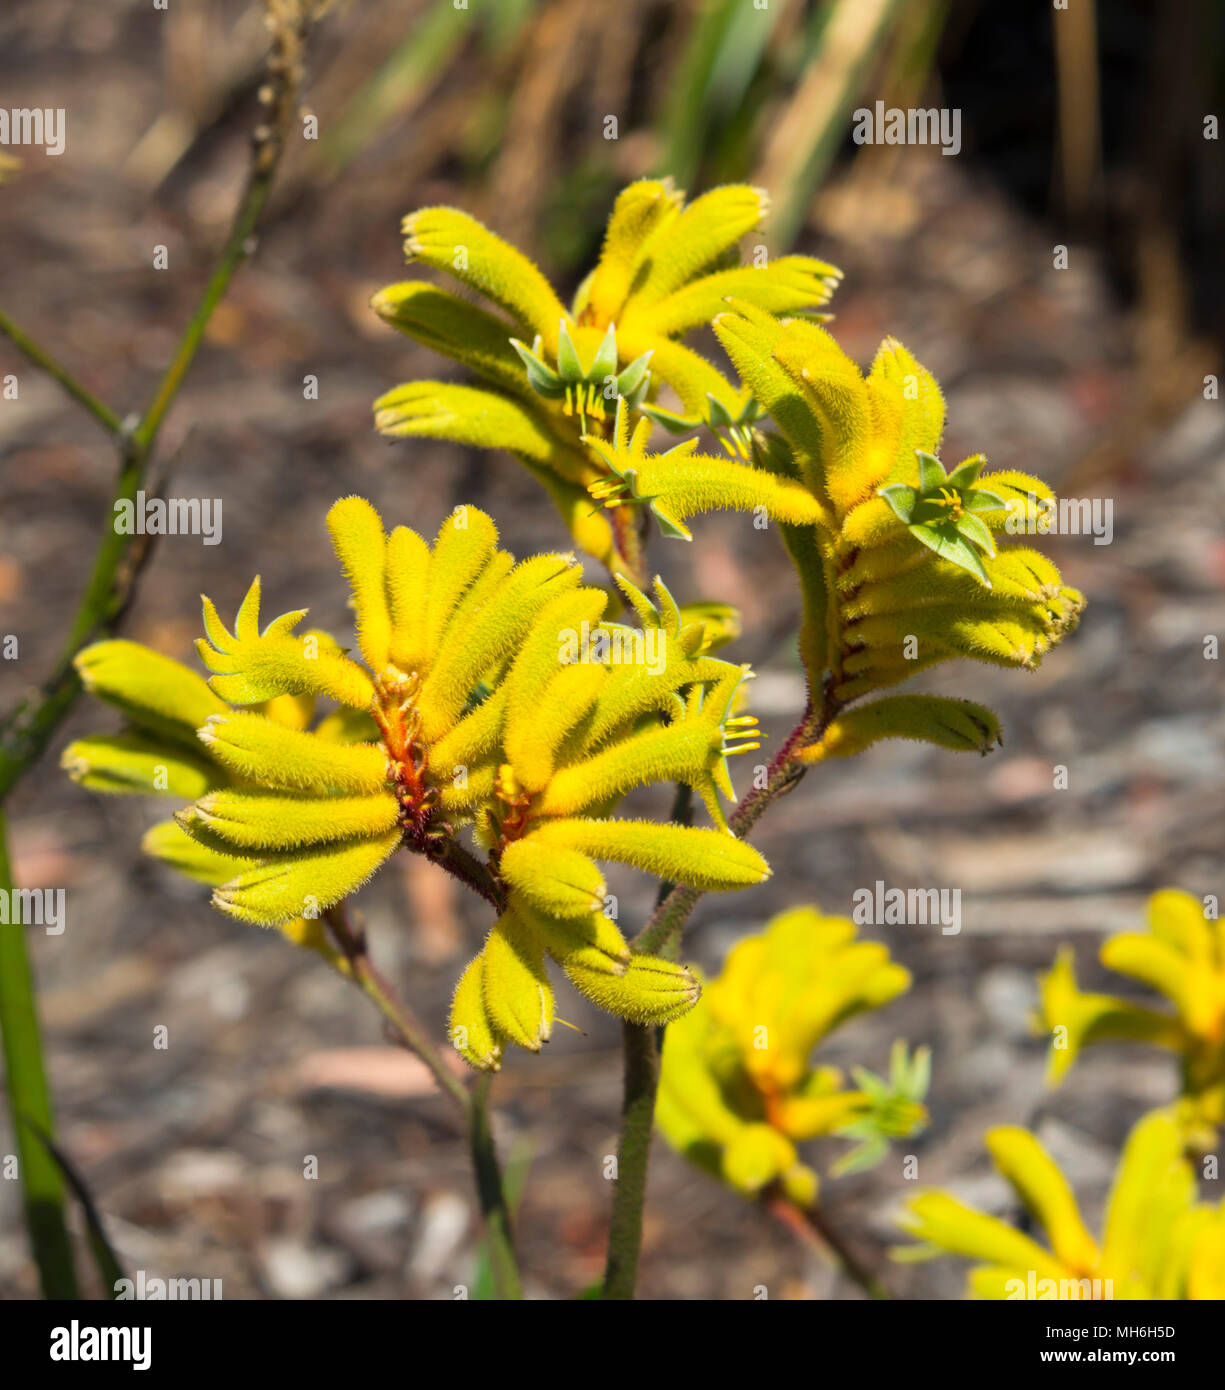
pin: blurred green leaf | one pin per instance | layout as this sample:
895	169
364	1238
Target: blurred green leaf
30	1106
713	77
416	64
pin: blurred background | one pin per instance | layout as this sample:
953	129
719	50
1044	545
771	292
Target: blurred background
1082	127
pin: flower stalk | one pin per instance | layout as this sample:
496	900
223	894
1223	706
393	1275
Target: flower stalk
640	1054
640	1046
472	1103
814	1228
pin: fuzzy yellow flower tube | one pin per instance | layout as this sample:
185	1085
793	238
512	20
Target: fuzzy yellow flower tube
1158	1240
574	741
1181	955
491	694
551	373
738	1091
906	565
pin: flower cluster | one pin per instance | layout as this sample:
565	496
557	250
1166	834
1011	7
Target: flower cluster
665	269
897	557
477	706
738	1091
1158	1242
890	587
1182	955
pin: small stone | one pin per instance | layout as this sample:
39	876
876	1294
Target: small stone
444	1223
293	1269
374	1214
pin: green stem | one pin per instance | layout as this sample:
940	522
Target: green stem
238	247
409	1031
26	730
641	1046
639	1050
30	1105
473	1104
669	918
491	1192
42	359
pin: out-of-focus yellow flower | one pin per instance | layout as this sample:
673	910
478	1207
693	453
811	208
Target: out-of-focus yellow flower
738	1091
1158	1241
493	695
1182	955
